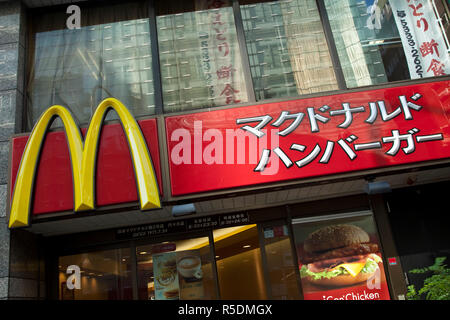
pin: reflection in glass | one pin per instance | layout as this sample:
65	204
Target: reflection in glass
109	56
177	270
200	59
443	14
239	266
280	263
287	49
368	43
104	275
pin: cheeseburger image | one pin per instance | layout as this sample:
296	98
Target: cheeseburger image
339	255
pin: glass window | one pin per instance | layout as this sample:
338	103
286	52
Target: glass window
287	49
100	275
109	56
199	55
177	270
281	264
380	41
443	13
239	266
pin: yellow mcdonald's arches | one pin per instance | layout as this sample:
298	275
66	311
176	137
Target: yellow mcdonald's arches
83	157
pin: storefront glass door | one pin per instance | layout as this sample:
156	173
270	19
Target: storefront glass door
282	271
246	262
239	266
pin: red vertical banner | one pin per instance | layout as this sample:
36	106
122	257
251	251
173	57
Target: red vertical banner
219	47
423	37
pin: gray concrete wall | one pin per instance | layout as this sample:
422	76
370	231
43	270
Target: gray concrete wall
19	254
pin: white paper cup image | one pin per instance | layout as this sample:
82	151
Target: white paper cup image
190	267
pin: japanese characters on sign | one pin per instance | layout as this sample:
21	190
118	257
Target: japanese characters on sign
224	71
200	223
220	64
206	222
423	40
142	231
222	221
306	138
233	219
315	115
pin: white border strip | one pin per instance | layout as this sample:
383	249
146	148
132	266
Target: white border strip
333	216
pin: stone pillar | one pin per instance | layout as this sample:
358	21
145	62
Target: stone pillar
19	258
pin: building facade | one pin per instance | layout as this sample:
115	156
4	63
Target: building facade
177	150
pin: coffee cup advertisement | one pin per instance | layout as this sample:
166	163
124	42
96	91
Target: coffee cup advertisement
340	259
178	275
190	275
166	276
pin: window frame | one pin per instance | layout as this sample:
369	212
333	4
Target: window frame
156	68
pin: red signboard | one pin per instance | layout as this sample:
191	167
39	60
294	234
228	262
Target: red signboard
303	138
115	178
355	293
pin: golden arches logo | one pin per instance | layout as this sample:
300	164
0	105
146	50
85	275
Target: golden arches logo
83	157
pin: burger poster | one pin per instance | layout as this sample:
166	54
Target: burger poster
166	276
340	259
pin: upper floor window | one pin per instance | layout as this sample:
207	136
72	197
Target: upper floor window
287	49
215	52
200	58
110	55
384	41
372	42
